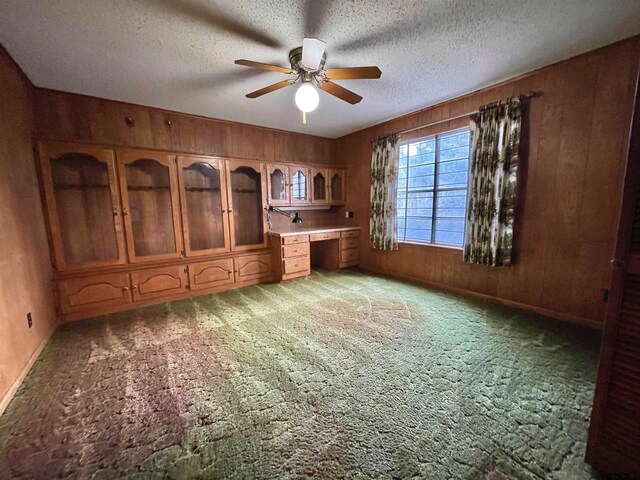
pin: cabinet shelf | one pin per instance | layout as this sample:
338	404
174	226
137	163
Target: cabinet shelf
202	189
148	187
244	190
79	186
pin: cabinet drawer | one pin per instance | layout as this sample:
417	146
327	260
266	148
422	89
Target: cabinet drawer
88	293
315	237
292	265
252	267
295	239
347	243
158	282
295	250
211	274
350	256
350	233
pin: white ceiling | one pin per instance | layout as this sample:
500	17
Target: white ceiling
178	54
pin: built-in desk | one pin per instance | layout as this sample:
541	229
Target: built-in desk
296	250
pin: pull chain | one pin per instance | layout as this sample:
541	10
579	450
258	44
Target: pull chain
304	118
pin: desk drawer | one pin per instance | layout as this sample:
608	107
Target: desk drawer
316	237
295	239
347	243
292	265
351	233
350	256
295	250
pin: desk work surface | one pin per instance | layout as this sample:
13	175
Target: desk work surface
310	230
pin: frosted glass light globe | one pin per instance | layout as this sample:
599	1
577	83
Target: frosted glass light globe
307	98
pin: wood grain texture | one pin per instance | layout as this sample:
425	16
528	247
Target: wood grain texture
25	264
570	182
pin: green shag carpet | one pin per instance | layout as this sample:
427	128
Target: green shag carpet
340	375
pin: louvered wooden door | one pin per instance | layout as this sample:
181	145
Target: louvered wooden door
614	434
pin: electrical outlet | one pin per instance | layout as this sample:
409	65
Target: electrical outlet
29	319
348	214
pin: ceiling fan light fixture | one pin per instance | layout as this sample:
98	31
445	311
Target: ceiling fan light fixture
307	98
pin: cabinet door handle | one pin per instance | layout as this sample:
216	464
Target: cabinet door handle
135	287
230	210
224	211
125	289
115	212
125	211
229	271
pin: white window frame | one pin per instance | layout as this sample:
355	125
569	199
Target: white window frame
434	189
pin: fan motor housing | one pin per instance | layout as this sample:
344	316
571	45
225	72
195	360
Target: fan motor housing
295	57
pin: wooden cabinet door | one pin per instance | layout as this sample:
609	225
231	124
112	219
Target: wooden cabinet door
319	186
613	445
158	282
300	184
94	293
150	201
203	200
246	193
252	267
83	206
337	187
278	185
206	275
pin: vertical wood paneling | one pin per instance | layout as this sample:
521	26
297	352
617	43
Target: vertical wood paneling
570	182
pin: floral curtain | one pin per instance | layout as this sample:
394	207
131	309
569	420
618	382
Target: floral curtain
383	225
495	131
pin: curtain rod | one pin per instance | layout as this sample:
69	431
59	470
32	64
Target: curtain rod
463	115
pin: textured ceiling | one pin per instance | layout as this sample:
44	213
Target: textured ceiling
178	54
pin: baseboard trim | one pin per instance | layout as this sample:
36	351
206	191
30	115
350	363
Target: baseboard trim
510	303
6	400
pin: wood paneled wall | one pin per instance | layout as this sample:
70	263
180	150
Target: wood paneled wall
25	266
574	151
67	116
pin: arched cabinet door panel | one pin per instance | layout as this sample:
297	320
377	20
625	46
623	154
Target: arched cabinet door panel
94	293
247	201
337	187
278	185
150	202
83	205
158	282
211	275
252	267
300	181
319	185
203	195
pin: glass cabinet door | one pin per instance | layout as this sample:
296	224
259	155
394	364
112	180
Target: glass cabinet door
149	191
247	199
336	187
277	176
300	185
82	205
204	205
319	185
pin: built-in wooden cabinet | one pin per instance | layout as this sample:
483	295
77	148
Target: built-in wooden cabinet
203	196
319	186
150	205
278	183
132	227
83	206
247	201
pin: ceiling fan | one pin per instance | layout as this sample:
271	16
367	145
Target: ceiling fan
307	65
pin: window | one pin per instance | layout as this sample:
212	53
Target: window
432	189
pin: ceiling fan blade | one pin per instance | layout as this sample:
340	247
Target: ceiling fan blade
270	88
312	51
352	73
340	92
263	66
